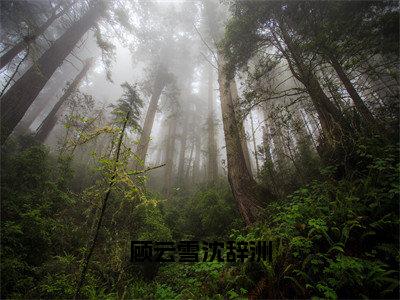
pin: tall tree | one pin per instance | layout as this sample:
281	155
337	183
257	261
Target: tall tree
318	25
46	97
243	138
169	153
26	40
253	138
196	162
182	151
160	81
257	24
240	179
267	148
126	112
332	121
358	102
212	148
50	121
16	101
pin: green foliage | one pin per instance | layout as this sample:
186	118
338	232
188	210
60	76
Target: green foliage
207	213
131	102
211	280
337	238
333	238
153	227
107	52
33	197
46	228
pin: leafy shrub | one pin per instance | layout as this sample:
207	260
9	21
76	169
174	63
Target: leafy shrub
337	238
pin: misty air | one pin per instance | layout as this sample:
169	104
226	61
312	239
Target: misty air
199	149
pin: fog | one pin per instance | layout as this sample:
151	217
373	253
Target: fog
264	126
172	33
130	42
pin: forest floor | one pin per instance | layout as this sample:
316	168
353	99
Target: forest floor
332	238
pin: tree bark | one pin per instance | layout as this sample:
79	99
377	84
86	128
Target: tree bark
36	108
212	149
169	154
50	121
279	144
7	57
358	102
266	146
308	128
48	97
332	122
241	181
21	95
242	132
144	140
196	162
32	114
254	142
189	163
182	152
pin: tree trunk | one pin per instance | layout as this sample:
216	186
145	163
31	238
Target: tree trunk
266	146
102	211
48	96
159	155
16	101
254	142
212	149
169	154
358	102
50	121
308	129
182	152
334	91
279	143
189	163
196	162
241	181
275	136
332	122
242	132
33	112
143	145
300	128
16	49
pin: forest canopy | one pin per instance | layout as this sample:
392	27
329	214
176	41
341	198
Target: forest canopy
207	128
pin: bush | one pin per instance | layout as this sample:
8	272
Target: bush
337	238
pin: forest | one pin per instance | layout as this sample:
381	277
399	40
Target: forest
199	149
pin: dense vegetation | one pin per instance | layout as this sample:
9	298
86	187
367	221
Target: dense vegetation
318	175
